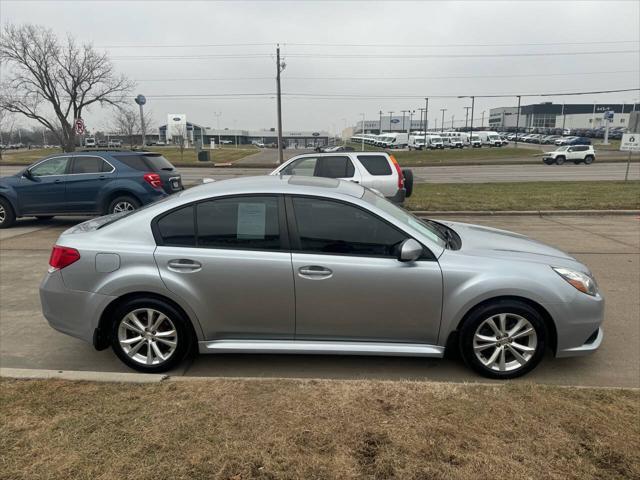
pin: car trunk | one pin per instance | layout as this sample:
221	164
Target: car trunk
171	179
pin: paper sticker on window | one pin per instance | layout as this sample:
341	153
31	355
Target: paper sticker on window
252	218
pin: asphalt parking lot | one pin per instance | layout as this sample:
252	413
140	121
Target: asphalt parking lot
609	245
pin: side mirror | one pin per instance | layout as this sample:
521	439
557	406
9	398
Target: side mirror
409	251
27	174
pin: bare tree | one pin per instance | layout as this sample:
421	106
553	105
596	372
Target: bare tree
7	123
53	82
127	122
181	142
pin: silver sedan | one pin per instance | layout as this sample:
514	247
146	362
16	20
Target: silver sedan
281	264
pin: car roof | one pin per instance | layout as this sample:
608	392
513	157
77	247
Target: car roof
274	184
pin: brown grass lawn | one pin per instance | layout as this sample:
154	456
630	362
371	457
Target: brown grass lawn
526	196
304	429
187	158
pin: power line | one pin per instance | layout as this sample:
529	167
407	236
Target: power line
369	56
377	78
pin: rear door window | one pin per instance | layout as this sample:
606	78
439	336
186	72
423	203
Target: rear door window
137	162
335	167
89	165
375	164
158	163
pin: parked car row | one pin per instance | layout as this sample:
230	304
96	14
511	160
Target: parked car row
432	140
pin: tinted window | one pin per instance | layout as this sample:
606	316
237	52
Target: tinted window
158	162
242	222
335	167
177	228
303	166
325	226
53	166
376	164
137	162
89	165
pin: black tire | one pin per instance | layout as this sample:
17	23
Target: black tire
513	308
560	160
119	202
184	334
7	215
408	182
588	160
44	217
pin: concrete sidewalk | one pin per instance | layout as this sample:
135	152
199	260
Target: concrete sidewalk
609	245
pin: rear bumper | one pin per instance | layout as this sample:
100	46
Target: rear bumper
72	312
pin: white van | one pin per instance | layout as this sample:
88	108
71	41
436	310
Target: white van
90	142
434	141
490	138
395	140
416	142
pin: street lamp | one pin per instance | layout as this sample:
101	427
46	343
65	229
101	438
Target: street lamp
442	125
141	100
390	118
362	132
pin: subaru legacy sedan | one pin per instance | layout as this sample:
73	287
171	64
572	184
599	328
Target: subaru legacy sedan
306	265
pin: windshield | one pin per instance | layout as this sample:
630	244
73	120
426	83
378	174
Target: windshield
436	139
405	217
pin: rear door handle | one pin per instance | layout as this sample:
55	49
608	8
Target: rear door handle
183	265
315	271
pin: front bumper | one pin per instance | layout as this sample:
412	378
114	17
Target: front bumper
579	325
72	312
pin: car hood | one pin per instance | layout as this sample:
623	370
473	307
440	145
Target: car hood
493	242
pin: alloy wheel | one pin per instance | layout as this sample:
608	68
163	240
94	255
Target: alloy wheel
123	206
3	214
505	342
147	336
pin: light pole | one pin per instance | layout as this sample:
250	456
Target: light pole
404	113
140	100
426	119
442	125
390	118
218	115
362	136
452	117
482	123
344	138
518	121
473	101
411	112
380	124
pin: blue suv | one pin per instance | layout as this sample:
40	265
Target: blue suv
87	183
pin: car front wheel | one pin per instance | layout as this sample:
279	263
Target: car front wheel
560	160
503	339
7	215
150	335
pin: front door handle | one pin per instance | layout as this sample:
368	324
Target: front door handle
183	265
57	180
315	271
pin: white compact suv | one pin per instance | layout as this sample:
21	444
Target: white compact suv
376	170
574	153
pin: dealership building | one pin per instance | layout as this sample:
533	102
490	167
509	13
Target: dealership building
558	115
177	126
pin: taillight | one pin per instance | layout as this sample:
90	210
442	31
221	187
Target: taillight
399	170
62	257
153	179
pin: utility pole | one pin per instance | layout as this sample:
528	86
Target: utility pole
421	118
518	121
140	100
390	118
473	100
466	118
452	117
442	126
280	66
380	124
564	118
482	123
426	121
411	112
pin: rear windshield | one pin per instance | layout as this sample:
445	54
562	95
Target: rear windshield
145	163
375	164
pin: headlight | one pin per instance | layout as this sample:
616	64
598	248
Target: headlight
581	281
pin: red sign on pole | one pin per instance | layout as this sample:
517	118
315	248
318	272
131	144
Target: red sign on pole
79	126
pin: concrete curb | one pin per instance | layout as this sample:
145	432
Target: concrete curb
117	377
537	213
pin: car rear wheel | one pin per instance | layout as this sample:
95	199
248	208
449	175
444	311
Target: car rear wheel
408	182
588	159
503	339
7	215
150	335
560	160
124	203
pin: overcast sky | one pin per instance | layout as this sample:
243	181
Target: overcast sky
474	65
